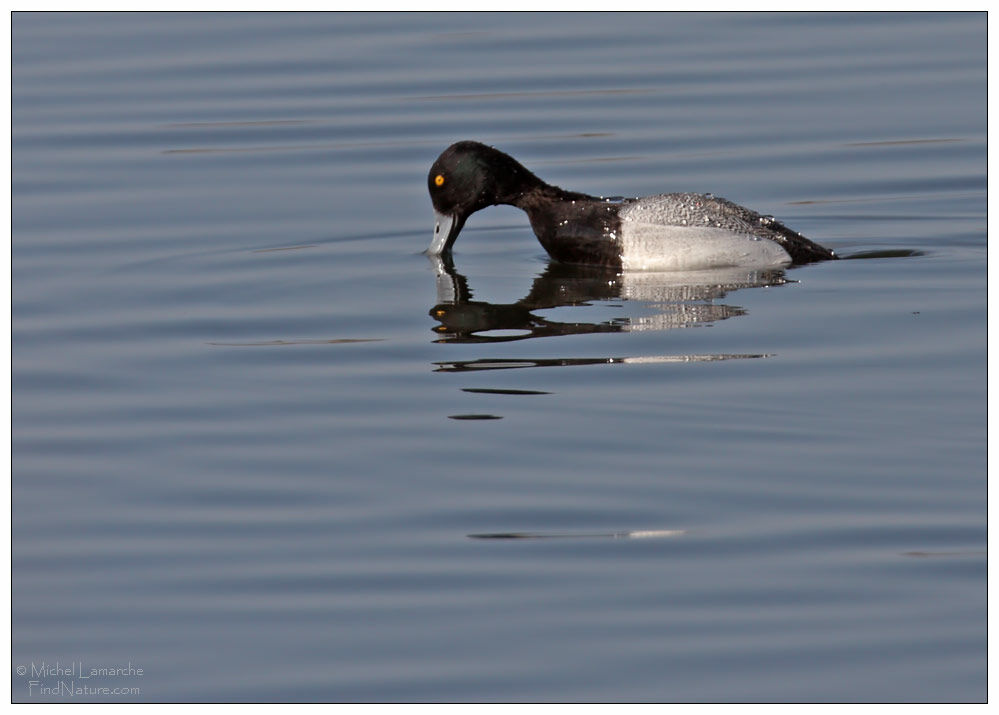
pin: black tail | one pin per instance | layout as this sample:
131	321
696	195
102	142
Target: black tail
798	247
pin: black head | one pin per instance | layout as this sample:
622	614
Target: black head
467	177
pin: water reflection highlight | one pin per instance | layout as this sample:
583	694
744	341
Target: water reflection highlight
677	299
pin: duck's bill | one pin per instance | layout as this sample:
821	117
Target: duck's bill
446	230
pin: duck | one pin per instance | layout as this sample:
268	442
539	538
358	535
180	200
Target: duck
664	232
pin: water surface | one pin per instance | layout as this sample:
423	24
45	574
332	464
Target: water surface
254	426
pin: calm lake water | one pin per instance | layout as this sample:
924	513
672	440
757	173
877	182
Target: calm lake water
256	430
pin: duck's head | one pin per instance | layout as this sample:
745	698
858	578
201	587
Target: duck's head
467	177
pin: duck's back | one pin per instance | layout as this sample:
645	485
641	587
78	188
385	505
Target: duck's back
691	231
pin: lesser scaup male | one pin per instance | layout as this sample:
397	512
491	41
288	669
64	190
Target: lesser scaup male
663	232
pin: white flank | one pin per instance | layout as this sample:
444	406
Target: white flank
652	247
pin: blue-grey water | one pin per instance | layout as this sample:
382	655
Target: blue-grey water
255	428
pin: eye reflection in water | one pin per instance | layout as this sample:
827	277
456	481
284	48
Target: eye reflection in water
677	299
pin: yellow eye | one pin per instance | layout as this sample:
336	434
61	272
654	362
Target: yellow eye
439	180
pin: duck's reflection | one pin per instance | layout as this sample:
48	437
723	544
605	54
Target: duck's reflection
675	299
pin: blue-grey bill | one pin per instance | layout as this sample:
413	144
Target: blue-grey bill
442	229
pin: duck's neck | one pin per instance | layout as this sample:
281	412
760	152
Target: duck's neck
536	195
517	186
